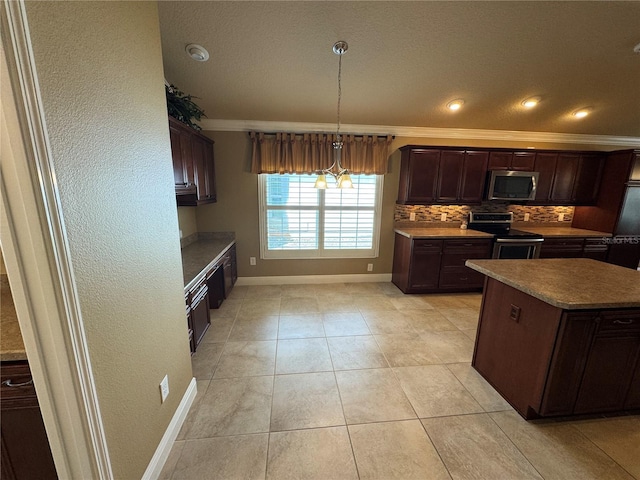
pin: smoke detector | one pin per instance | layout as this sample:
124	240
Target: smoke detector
636	49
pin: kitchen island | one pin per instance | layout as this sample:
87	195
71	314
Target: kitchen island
560	337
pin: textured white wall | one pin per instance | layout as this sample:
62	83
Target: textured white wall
100	72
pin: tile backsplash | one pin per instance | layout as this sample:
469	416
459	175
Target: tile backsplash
460	213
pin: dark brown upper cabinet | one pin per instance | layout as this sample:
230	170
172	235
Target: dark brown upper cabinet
457	175
442	176
577	178
510	160
193	165
418	175
545	165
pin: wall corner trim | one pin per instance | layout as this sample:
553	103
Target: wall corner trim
166	443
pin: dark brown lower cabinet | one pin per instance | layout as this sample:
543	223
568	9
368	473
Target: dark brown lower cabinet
562	248
547	361
416	264
229	265
26	453
198	317
596	249
423	265
214	285
575	247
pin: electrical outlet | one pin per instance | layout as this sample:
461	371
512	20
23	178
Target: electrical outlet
443	217
164	388
180	233
252	260
412	217
526	217
561	217
370	267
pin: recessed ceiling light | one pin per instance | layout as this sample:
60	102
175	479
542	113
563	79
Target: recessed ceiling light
583	112
455	105
197	52
531	102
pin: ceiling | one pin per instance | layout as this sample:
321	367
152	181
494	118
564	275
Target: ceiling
273	61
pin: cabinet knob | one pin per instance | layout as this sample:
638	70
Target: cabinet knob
9	383
624	322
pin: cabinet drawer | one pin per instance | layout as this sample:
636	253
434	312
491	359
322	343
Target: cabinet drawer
459	246
563	242
17	385
460	277
458	259
427	246
619	322
595	245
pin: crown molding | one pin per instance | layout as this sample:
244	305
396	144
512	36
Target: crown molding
420	132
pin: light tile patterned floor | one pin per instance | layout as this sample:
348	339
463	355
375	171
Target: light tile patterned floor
348	381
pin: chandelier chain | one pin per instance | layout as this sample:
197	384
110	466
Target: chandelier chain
339	95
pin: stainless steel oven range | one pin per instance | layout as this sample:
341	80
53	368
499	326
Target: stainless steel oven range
508	242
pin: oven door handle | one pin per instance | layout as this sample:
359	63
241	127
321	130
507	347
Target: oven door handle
522	240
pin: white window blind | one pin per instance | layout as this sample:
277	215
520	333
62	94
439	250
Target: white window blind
299	221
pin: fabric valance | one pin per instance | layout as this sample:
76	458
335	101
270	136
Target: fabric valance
311	152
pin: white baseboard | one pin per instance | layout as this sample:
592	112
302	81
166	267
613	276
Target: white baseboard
307	279
162	452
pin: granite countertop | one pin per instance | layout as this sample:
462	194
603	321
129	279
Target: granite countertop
202	251
560	231
11	344
567	283
441	232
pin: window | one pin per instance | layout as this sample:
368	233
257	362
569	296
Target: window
299	221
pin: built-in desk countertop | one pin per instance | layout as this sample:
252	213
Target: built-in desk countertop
205	249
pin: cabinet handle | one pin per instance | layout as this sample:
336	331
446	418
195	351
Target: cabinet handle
624	322
8	383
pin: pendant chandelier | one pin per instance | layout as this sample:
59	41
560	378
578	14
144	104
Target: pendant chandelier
336	170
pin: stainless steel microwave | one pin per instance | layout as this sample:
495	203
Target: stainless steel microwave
512	185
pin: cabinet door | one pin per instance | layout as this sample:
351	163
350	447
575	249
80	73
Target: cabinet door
633	396
567	364
523	161
566	170
198	154
25	448
474	174
545	164
624	254
200	313
587	181
449	175
210	172
181	156
608	373
419	176
424	270
500	160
